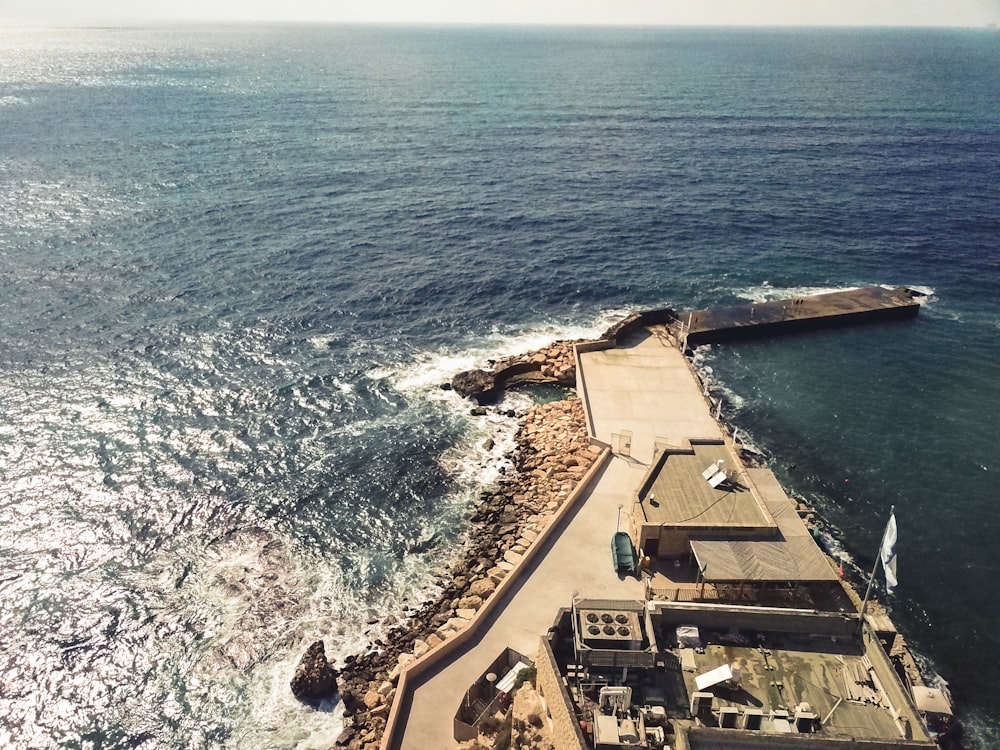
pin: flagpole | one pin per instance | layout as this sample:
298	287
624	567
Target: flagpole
871	578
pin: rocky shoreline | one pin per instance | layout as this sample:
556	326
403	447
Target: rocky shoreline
552	453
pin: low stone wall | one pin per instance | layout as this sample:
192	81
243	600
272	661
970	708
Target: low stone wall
637	320
581	382
566	734
554	459
749	617
555	364
409	672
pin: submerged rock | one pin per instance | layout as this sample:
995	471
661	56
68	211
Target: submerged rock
314	678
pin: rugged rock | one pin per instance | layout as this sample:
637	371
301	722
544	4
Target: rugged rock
482	588
529	729
473	383
346	736
470	602
314	678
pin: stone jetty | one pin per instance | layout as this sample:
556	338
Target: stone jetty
553	453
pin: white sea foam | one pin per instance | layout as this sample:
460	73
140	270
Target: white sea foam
483	457
432	368
305	599
480	459
323	341
929	294
700	359
766	293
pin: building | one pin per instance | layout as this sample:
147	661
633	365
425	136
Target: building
706	676
700	504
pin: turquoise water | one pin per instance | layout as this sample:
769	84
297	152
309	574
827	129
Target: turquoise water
238	262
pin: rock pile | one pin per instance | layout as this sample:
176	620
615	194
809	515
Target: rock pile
554	364
553	454
314	678
529	730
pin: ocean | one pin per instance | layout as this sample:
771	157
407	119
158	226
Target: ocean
236	264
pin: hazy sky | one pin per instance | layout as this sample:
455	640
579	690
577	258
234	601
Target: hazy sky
665	12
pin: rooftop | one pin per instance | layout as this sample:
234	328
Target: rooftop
793	661
808	671
680	494
731	676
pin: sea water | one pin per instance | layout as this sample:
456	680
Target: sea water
236	264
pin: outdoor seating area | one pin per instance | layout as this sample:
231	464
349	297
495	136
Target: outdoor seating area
489	696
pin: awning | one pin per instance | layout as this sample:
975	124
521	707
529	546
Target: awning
931	700
717	675
506	683
795	559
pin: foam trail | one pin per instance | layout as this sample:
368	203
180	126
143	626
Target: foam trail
425	375
766	293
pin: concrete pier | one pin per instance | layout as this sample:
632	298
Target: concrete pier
760	319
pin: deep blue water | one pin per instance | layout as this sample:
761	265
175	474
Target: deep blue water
235	263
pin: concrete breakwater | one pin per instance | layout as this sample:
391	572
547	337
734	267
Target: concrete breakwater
755	320
553	453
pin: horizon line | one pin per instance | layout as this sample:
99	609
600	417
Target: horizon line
110	23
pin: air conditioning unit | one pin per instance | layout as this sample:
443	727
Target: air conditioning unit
609	628
752	718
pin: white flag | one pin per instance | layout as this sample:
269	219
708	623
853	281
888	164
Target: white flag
889	554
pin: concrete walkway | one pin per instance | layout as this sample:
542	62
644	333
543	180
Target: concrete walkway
644	386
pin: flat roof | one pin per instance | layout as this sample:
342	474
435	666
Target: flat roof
797	560
679	494
772	663
804	670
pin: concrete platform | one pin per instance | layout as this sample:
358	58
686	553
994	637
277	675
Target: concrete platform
847	307
579	559
646	387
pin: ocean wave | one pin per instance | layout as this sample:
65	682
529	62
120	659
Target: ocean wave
58	206
764	292
701	360
429	369
12	101
930	295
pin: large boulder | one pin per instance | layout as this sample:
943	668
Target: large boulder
314	678
474	383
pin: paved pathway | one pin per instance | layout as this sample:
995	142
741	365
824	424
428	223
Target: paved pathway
644	386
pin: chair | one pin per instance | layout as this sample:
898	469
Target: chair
712	469
718	478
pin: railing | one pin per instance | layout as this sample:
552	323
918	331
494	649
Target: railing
683	594
721	593
469	730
